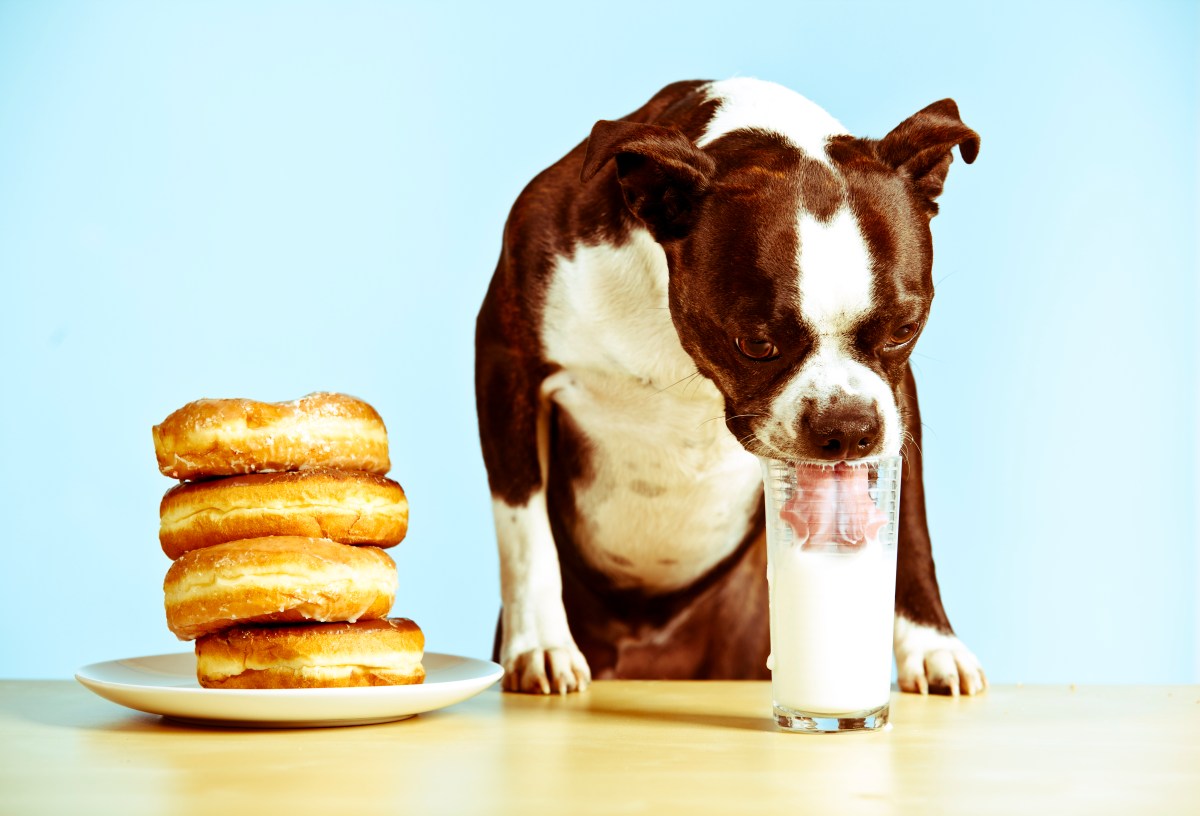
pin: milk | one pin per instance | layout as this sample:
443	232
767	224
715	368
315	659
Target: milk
831	628
831	546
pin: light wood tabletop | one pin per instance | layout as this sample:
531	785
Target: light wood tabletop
621	747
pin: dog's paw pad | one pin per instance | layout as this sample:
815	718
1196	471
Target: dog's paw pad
931	661
554	670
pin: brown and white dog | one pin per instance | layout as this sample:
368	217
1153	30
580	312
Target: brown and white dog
722	273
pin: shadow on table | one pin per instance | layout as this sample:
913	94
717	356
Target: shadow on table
668	716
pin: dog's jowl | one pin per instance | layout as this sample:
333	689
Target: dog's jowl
722	273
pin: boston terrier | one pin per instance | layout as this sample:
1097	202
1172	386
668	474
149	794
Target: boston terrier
722	273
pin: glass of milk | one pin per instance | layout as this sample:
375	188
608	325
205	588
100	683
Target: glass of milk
831	566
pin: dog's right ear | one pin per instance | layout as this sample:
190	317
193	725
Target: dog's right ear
662	174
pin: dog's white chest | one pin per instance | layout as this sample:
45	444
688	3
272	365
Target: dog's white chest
669	491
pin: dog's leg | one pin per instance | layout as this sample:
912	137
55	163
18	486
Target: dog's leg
536	648
928	655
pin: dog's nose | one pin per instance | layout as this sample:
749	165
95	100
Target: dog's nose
845	430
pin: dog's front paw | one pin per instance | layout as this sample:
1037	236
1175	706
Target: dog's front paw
929	660
552	670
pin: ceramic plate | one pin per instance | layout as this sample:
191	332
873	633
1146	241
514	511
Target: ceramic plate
166	685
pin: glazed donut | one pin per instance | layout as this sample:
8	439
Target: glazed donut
226	437
344	506
280	579
326	655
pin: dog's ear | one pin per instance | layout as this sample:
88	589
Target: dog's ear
919	148
662	174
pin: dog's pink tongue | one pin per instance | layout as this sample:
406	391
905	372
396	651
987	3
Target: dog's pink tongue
831	508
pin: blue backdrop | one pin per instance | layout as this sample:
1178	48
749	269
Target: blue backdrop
267	199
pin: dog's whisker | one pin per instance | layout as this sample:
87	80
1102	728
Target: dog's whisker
735	416
908	439
742	441
912	438
744	416
677	382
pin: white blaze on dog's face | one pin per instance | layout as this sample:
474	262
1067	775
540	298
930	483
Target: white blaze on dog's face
836	396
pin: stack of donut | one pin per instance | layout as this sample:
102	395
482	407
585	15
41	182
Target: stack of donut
277	531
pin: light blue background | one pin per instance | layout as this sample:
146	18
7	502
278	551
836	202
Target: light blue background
262	200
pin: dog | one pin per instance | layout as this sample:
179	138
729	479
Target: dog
722	273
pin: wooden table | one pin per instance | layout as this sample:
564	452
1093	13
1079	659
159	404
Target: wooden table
622	747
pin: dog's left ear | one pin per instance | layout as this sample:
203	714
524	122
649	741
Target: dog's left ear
919	148
662	174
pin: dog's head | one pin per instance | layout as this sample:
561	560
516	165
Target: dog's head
799	284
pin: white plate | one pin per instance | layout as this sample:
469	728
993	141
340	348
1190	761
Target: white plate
166	685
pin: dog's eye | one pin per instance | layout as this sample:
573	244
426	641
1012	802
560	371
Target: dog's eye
902	335
756	348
